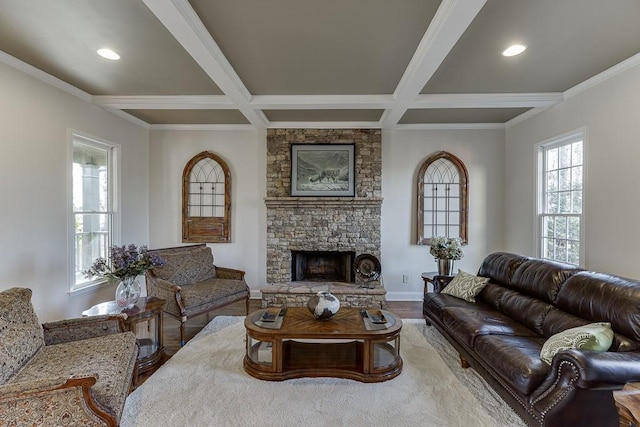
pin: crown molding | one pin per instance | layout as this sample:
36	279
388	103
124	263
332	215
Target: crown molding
45	77
603	76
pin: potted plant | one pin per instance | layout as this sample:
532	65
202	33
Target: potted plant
446	250
125	264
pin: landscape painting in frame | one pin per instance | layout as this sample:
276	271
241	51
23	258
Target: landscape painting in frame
322	170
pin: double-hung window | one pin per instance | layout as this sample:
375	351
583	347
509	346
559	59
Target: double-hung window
560	199
93	212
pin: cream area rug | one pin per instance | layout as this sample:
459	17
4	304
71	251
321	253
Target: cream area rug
204	384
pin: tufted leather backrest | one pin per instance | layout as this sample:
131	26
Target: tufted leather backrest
500	266
600	297
541	279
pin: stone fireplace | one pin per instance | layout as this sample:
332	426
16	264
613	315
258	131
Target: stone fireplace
321	224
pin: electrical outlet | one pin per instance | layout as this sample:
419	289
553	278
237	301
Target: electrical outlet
405	278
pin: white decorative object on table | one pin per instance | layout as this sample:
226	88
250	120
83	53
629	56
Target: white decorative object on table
323	305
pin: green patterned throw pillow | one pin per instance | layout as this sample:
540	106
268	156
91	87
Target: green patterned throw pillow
465	286
594	336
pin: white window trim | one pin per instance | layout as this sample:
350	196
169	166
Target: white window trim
576	134
115	191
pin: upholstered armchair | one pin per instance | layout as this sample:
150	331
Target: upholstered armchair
192	285
75	372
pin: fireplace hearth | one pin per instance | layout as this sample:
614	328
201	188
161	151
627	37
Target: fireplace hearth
322	266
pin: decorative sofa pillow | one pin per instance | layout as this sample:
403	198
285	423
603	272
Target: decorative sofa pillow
465	286
594	336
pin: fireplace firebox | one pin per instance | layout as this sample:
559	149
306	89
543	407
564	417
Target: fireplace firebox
322	266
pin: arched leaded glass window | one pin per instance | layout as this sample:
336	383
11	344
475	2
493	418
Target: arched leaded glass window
442	198
206	200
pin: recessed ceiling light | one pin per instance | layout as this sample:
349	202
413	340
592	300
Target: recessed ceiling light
109	54
514	49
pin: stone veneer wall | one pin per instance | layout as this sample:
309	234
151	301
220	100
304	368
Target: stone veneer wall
321	223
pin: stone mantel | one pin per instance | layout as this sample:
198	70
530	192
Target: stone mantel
347	202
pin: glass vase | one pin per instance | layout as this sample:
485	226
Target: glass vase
445	267
127	292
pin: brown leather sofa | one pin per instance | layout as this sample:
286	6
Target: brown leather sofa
526	301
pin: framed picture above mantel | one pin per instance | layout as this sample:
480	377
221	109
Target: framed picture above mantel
323	170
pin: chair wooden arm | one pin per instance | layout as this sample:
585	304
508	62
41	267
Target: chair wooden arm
229	273
18	400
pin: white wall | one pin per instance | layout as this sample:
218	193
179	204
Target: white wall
611	113
245	154
35	118
403	151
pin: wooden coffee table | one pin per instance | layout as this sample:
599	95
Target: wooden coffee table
339	347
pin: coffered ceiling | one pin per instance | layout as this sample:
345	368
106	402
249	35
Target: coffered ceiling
332	63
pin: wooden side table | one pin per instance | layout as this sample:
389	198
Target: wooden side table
628	405
145	320
439	282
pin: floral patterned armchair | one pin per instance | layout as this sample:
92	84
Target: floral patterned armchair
192	285
75	372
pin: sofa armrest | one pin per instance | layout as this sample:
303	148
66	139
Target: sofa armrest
607	370
229	273
68	330
20	402
167	291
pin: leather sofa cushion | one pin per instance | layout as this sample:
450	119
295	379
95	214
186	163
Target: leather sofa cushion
515	359
601	297
491	295
435	304
500	266
527	310
466	324
541	279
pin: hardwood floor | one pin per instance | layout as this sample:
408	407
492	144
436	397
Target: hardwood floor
171	336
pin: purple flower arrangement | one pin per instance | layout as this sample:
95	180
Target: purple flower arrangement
123	262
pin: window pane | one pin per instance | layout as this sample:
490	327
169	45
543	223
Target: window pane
564	179
576	202
573	252
92	240
561	250
565	202
564	156
552	181
560	227
552	159
547	226
576	153
573	225
89	175
552	203
576	178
